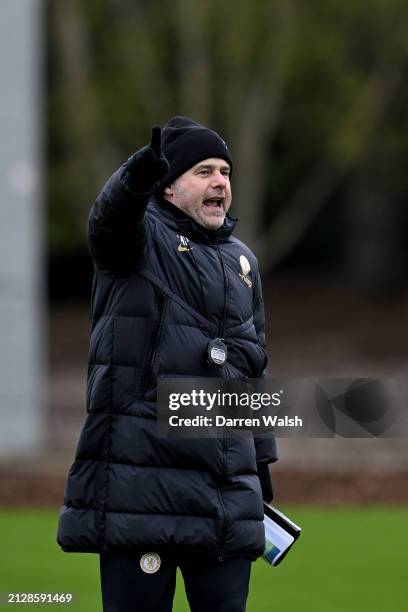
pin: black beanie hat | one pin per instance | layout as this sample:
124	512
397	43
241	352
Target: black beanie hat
185	143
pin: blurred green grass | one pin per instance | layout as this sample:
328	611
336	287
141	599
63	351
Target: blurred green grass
346	559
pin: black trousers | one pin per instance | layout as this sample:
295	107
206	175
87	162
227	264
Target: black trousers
211	585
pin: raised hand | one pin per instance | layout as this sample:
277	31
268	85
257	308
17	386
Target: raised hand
148	165
155	140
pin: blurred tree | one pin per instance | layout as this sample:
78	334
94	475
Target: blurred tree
305	94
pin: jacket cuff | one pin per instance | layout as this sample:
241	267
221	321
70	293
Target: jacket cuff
266	451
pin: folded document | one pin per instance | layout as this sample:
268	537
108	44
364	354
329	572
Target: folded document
280	535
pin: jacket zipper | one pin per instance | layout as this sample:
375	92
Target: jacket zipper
224	464
221	326
224	514
221	330
154	344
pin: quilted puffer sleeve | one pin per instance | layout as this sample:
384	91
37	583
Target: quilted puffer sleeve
116	232
259	318
266	451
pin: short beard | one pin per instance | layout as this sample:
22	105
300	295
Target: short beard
209	226
195	215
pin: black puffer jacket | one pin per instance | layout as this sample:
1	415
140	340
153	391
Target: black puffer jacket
158	297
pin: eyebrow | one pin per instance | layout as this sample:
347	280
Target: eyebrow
211	167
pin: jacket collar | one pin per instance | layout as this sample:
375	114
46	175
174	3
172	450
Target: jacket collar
177	219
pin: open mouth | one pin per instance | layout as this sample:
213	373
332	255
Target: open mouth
214	203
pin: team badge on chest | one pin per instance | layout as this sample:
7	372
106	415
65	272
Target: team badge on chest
245	270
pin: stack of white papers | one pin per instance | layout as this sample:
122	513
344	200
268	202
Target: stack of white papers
280	535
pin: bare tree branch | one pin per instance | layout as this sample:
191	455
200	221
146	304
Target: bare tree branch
330	171
83	134
140	61
193	60
256	124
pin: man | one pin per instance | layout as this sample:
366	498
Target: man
174	294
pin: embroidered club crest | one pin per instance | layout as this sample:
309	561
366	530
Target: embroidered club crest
245	270
150	563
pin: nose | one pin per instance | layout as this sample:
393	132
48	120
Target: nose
219	179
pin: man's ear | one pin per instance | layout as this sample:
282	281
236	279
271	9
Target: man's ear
168	191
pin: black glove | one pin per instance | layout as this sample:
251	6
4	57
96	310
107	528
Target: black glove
266	481
146	166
